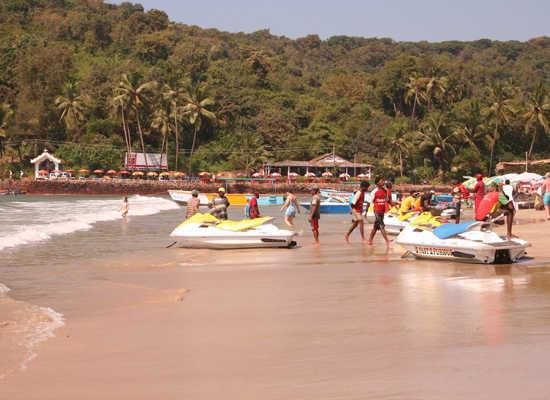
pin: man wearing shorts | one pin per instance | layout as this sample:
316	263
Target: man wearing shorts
315	213
379	199
507	208
357	211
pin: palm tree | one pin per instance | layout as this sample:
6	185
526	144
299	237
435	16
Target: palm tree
398	141
6	113
161	122
136	96
436	87
471	126
173	97
435	136
195	110
537	104
118	103
500	110
72	106
414	92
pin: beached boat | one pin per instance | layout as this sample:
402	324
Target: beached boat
331	205
473	242
206	231
394	220
235	199
344	196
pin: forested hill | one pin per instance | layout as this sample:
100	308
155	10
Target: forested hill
89	80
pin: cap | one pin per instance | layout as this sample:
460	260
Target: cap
194	193
479	176
314	188
222	190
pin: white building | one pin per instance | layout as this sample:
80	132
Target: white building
45	157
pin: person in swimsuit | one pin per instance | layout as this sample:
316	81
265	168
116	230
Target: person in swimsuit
315	213
125	207
545	189
292	208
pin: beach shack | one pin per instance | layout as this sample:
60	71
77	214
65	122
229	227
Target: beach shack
318	166
45	161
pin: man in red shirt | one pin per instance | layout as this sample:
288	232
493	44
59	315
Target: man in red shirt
357	211
253	206
379	199
479	190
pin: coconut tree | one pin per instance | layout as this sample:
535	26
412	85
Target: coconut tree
161	122
436	137
471	126
118	103
537	105
195	110
72	106
173	98
398	140
435	88
500	110
136	96
414	93
6	113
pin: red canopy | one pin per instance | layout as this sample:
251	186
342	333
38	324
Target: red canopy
98	171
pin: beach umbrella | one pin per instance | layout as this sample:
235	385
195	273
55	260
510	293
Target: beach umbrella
494	180
344	175
470	182
204	173
293	174
111	172
83	171
310	174
528	177
164	174
98	171
152	173
256	175
179	174
137	173
124	173
70	171
275	174
326	174
42	172
241	175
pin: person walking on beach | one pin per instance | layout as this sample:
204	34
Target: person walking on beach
253	206
379	199
479	190
357	211
219	205
507	208
315	213
508	190
192	205
125	207
292	207
545	190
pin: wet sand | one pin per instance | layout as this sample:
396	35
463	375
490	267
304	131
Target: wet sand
335	322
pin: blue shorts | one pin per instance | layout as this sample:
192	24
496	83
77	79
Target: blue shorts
546	199
290	210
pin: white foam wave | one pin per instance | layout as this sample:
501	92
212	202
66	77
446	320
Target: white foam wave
64	217
3	289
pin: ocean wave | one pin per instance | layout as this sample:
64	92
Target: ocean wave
49	219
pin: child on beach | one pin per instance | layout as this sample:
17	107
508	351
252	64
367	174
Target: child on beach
125	207
292	208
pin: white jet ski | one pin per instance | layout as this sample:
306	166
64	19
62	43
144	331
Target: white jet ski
394	220
473	242
206	231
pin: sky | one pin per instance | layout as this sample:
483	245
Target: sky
401	20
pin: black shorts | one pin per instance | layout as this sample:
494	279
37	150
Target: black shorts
379	221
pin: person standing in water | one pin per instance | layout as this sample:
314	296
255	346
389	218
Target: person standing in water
125	207
545	190
192	205
292	207
315	213
379	199
357	211
219	205
253	206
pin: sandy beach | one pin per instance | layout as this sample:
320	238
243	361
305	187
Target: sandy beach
335	322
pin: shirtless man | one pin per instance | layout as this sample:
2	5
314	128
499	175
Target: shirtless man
357	211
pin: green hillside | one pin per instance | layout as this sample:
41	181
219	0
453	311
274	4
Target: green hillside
90	80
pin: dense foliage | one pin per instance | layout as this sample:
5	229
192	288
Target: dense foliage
91	80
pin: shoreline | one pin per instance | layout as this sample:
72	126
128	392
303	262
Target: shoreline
143	187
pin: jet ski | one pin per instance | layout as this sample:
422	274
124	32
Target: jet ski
207	231
394	220
472	241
